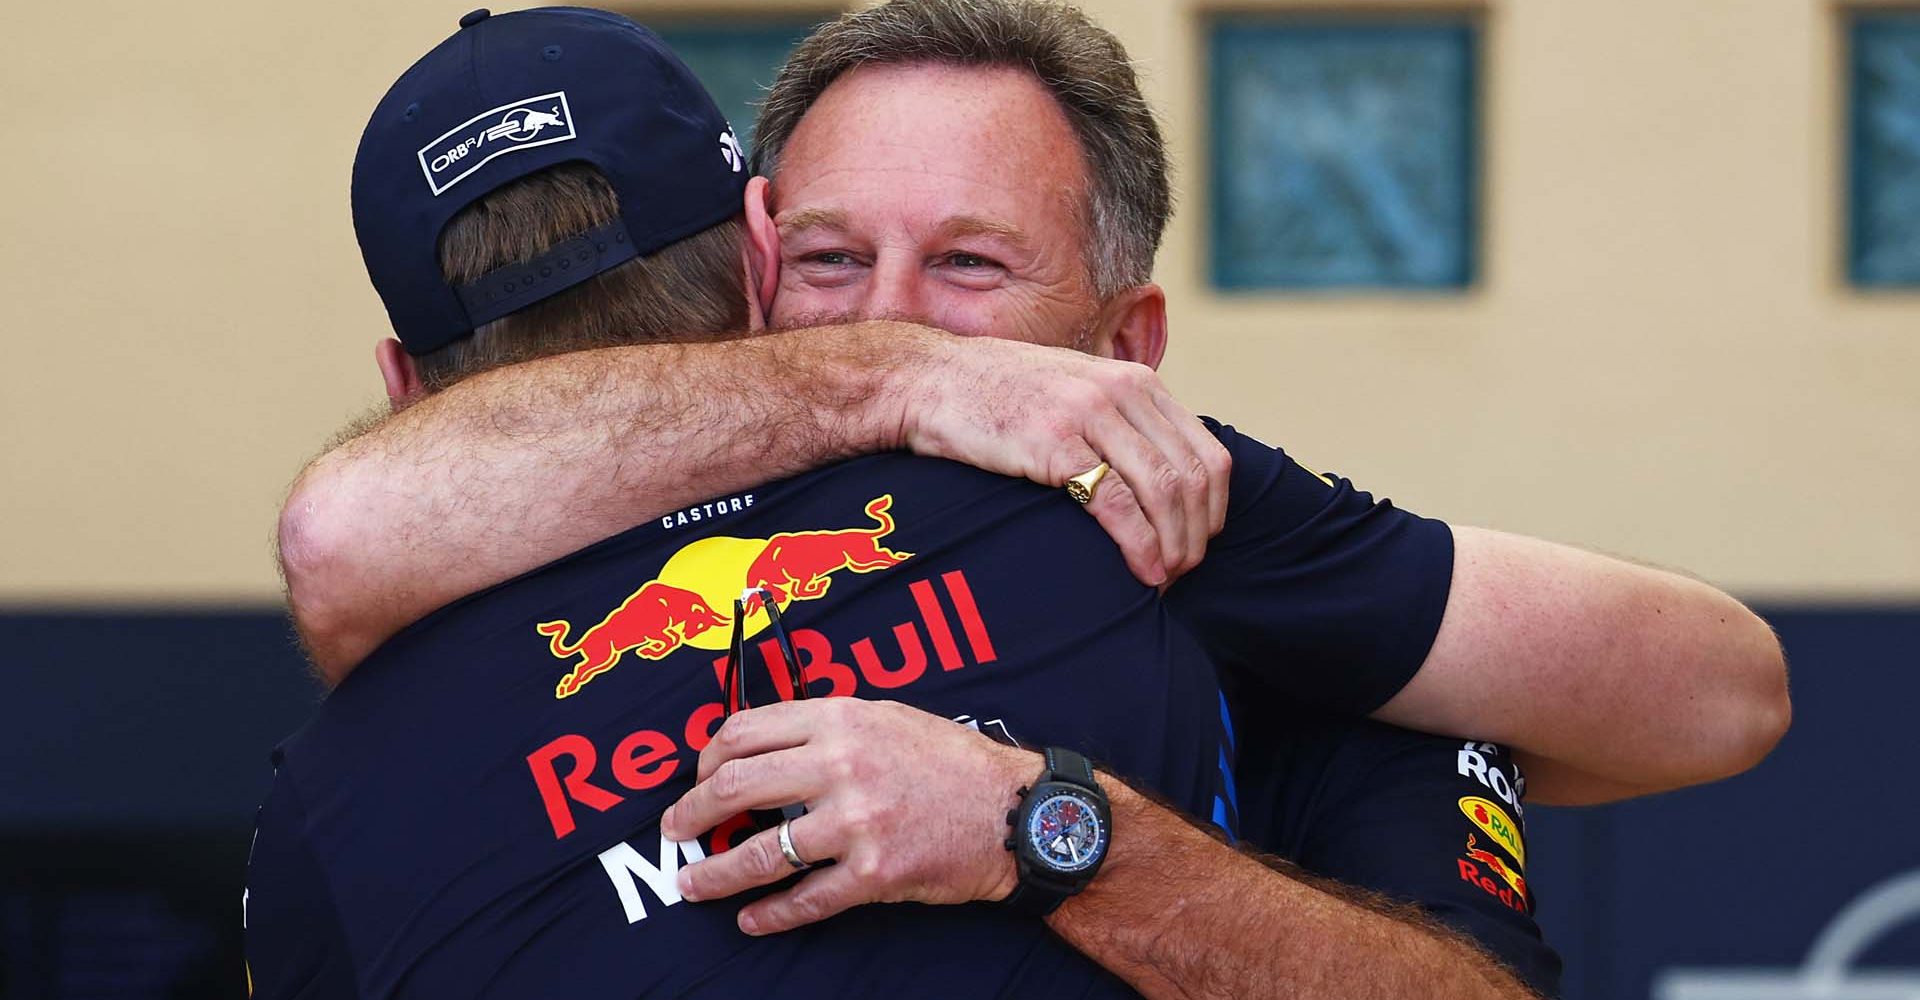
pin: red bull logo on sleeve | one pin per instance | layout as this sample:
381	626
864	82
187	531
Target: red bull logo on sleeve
1513	893
680	607
1492	819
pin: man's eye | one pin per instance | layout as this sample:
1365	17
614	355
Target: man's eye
832	258
971	261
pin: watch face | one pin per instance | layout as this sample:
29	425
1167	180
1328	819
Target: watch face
1065	832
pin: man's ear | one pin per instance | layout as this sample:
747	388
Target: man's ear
750	271
1133	326
400	374
763	243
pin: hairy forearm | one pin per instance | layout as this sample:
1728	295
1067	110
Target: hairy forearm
1625	677
513	468
1177	914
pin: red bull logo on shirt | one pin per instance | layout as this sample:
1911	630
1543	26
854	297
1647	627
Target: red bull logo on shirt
1494	820
799	565
1513	894
575	769
681	606
655	621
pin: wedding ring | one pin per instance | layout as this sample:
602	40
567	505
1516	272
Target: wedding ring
786	845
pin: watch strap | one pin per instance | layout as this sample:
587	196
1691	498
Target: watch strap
1030	896
1035	893
1069	766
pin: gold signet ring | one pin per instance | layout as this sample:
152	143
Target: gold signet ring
1081	487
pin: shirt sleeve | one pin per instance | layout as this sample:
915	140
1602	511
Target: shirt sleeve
295	945
1314	589
1438	823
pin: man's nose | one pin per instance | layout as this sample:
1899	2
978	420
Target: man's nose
894	288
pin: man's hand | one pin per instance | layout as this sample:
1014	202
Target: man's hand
544	457
1048	414
912	807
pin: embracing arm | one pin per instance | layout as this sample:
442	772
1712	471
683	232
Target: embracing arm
1177	914
517	466
913	807
513	468
1608	678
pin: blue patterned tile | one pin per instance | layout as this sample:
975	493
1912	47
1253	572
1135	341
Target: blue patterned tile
1885	203
1343	155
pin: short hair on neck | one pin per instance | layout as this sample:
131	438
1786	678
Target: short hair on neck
692	289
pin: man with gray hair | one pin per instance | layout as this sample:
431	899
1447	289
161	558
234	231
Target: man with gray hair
646	430
978	203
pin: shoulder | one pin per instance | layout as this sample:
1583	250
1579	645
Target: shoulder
1256	462
1314	586
1277	490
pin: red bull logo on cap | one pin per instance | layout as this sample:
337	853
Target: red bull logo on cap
680	606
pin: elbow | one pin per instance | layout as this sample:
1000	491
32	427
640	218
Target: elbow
316	546
1770	707
308	545
1755	708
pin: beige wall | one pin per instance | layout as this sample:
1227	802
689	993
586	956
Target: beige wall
1660	358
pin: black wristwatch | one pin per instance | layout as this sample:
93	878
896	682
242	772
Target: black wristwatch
1060	833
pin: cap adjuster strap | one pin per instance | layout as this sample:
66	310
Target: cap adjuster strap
517	286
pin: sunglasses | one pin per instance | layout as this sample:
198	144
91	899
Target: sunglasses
735	684
737	699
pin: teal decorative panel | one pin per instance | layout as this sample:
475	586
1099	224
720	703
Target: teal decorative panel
1344	155
1884	230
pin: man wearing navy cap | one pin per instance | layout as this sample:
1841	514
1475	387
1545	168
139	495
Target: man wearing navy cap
636	133
643	759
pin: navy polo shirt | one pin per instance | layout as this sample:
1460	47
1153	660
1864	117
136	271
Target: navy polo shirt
474	812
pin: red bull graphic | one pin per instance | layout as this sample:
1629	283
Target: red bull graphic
799	565
574	769
679	607
1495	822
652	623
1514	894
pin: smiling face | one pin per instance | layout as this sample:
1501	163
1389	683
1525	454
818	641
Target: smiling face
948	195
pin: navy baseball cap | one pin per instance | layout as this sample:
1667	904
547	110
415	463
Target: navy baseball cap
513	94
